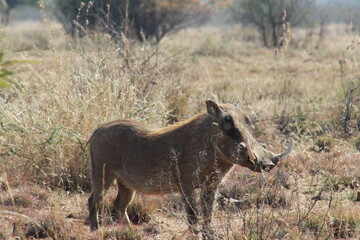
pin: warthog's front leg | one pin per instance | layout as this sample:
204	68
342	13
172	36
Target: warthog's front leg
207	197
188	195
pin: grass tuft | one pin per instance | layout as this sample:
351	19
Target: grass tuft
138	214
324	144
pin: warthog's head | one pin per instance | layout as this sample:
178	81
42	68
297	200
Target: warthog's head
234	143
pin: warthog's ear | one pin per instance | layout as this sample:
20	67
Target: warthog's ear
212	108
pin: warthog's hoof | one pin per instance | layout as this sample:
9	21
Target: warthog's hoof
194	229
94	227
209	234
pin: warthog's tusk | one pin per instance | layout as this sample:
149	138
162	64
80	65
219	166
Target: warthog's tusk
285	153
249	152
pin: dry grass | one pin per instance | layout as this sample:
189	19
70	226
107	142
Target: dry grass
55	102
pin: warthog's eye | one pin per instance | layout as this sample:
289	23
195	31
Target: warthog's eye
228	123
229	128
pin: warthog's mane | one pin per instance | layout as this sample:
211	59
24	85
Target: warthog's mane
195	121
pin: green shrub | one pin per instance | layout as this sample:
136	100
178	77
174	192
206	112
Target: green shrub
313	224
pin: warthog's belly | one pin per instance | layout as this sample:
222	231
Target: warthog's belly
157	183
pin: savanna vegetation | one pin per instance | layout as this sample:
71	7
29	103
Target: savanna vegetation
55	89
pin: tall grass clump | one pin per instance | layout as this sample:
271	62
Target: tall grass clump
54	105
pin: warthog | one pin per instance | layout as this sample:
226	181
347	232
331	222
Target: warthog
195	153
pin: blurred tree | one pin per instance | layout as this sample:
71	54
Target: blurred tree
148	19
3	11
7	5
266	16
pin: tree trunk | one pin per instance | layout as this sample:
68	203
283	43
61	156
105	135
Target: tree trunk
264	37
274	35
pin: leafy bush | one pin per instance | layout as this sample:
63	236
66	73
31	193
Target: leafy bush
147	19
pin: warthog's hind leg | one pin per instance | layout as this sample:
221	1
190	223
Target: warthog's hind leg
123	199
94	204
98	188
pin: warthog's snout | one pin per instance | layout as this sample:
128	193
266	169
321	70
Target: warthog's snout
266	160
